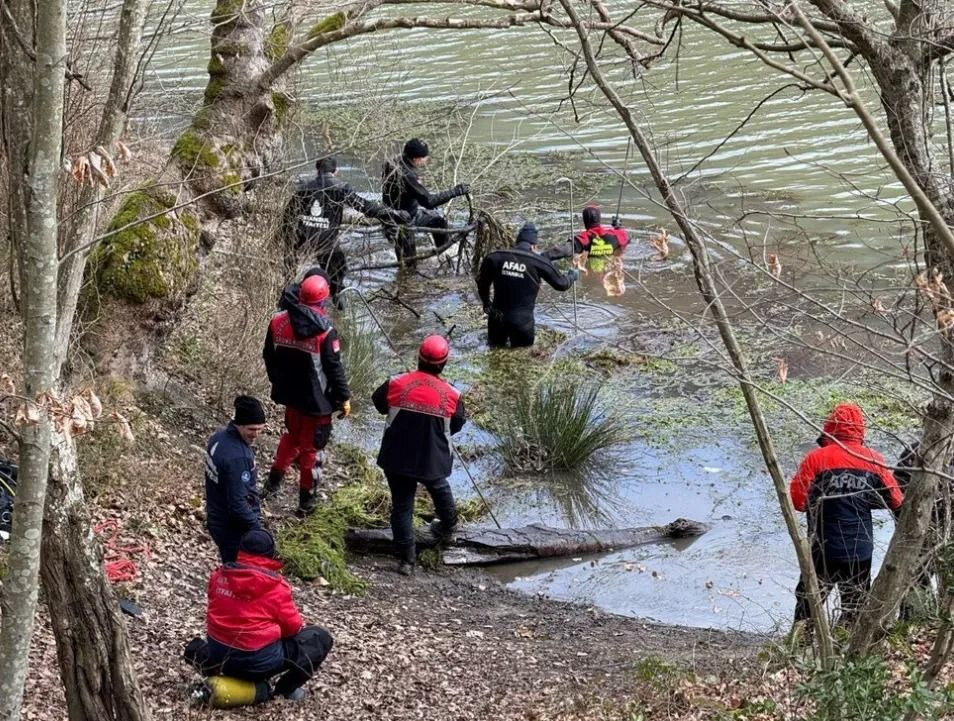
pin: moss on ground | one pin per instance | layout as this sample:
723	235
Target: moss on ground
316	547
278	40
145	259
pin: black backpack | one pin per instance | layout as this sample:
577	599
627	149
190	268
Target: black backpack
8	491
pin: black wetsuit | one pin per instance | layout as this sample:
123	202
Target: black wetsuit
515	276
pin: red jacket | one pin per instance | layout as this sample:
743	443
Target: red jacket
250	604
600	241
840	483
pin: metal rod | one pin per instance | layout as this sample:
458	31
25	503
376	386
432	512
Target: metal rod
473	482
622	178
569	181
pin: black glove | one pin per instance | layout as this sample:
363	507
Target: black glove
616	222
462	189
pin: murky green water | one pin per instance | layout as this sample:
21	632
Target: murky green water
800	154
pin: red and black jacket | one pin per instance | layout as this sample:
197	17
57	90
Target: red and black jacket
303	361
839	484
251	610
423	412
600	241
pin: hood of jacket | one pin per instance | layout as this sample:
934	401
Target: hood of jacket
307	321
250	576
846	424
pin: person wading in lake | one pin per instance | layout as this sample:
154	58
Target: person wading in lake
403	190
839	484
303	360
423	412
515	275
598	241
231	486
313	216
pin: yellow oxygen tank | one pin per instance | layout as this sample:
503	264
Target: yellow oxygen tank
229	692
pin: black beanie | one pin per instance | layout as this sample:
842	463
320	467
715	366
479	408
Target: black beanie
528	234
248	411
416	148
258	542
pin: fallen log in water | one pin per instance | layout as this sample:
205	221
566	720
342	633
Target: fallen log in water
484	546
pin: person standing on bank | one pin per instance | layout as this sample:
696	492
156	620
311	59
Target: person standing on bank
515	277
313	218
838	485
231	487
423	412
303	361
403	190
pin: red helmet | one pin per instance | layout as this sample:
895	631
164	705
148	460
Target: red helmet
434	350
314	291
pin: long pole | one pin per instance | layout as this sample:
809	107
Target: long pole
622	178
569	182
397	354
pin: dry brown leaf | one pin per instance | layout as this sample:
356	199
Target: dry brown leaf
878	307
122	151
109	167
774	266
7	386
28	414
80	170
660	241
945	319
781	370
95	404
613	282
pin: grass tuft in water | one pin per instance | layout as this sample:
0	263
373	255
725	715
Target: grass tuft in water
558	424
359	352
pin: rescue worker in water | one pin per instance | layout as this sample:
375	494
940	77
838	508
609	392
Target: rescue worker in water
515	275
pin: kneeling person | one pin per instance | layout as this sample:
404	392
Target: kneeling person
254	628
423	411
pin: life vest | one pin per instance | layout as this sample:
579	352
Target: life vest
422	392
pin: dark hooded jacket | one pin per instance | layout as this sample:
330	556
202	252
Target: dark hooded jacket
317	207
515	277
403	189
839	484
303	361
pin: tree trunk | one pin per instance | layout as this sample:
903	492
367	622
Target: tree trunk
485	546
33	97
91	642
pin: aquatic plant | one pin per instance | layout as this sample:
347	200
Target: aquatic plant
359	352
557	424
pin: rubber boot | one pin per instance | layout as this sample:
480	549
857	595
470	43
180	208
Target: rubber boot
307	501
273	485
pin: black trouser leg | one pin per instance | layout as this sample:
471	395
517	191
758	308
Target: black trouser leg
402	516
335	264
432	219
304	653
802	608
227	542
496	330
854	582
522	335
444	504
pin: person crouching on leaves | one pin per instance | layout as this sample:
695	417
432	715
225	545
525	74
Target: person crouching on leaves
303	360
254	628
839	484
231	485
423	411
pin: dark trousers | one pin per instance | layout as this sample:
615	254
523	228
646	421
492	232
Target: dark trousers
227	539
403	490
335	263
302	654
853	579
501	330
405	242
